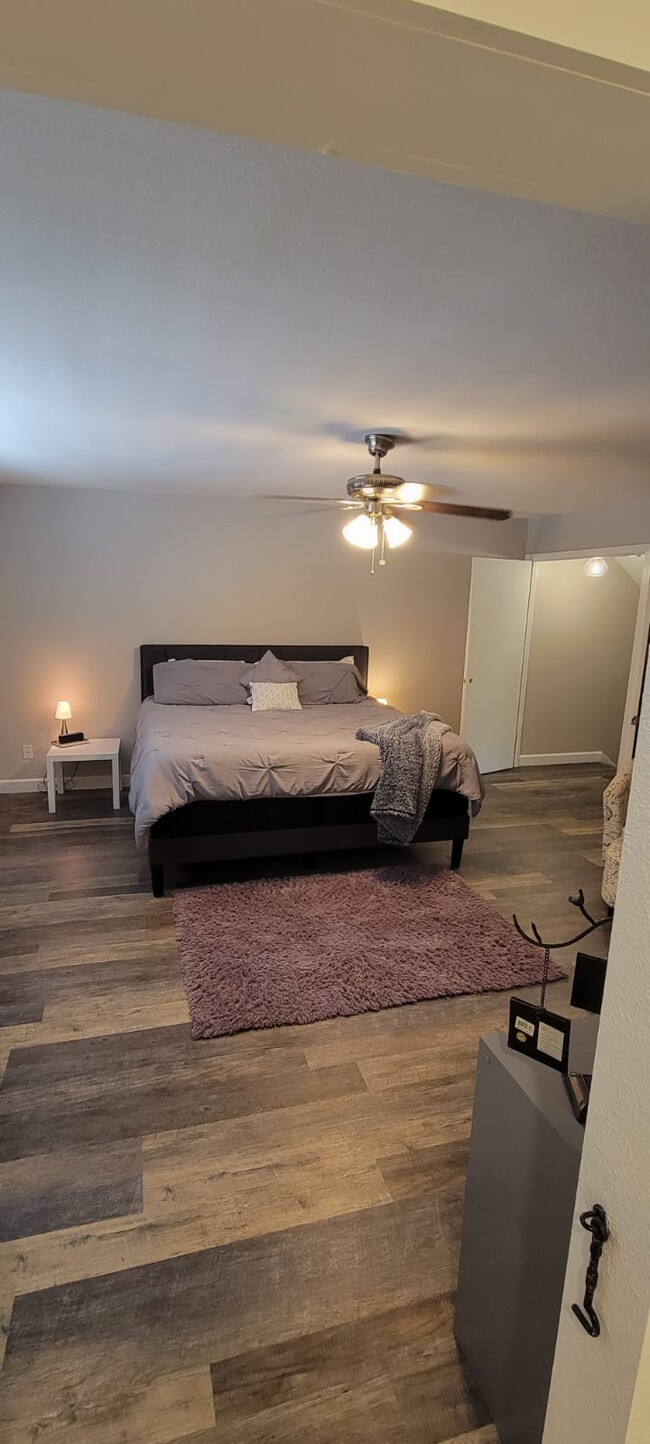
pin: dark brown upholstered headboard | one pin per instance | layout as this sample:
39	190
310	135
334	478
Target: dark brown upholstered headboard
153	652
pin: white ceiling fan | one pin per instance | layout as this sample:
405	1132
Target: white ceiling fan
376	496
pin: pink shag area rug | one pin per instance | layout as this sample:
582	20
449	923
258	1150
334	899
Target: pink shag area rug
271	951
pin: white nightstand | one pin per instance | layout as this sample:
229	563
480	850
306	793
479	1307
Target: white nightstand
96	749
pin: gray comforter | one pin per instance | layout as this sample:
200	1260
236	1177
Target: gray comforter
185	754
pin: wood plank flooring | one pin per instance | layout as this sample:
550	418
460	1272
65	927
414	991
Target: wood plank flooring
246	1239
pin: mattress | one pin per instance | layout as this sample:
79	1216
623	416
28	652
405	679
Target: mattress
189	754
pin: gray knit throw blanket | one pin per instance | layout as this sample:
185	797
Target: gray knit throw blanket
411	749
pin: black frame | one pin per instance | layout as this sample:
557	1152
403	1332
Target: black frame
202	832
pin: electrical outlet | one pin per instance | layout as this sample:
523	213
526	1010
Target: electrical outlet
28	751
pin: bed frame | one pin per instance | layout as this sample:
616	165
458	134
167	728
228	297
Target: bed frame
204	832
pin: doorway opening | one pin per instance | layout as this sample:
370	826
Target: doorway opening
555	659
576	670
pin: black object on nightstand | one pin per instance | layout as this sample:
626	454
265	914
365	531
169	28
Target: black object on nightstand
578	1087
587	993
589	983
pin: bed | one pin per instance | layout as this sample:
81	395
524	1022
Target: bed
211	784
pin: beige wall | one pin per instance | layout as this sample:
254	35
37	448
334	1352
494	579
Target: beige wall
627	525
618	32
638	1429
85	577
581	646
596	1382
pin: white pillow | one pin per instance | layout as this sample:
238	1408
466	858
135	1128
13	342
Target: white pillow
275	697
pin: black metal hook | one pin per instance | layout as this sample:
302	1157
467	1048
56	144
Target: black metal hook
591	1324
595	1222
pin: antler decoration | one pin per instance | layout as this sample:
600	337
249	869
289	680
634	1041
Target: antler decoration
578	902
538	942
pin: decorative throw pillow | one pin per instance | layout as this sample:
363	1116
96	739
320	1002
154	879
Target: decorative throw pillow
269	669
275	697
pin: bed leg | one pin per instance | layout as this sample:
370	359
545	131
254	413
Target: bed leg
457	851
157	880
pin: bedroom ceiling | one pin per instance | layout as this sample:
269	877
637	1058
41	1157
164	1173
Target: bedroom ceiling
385	82
184	310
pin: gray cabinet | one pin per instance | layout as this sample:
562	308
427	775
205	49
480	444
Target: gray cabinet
519	1205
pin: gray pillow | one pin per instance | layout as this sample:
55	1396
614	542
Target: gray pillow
328	682
269	669
200	683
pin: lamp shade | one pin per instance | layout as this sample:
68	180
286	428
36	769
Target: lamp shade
362	532
396	532
63	712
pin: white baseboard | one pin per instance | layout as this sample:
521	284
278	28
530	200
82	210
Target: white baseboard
19	784
81	784
555	759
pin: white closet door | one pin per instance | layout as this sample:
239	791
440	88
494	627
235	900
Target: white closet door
496	634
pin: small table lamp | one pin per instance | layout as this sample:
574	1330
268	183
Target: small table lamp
63	714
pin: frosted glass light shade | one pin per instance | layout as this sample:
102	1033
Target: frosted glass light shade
396	532
362	532
63	712
411	492
596	567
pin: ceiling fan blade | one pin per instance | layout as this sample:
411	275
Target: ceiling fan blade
409	438
415	492
329	500
450	508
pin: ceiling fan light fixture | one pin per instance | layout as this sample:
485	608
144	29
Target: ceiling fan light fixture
396	532
362	532
596	567
410	492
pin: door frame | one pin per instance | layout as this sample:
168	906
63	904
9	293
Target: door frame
637	668
463	694
639	645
